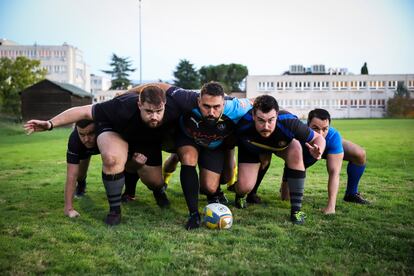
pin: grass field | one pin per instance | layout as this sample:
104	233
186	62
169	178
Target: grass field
36	238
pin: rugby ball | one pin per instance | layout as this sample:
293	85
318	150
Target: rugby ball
217	216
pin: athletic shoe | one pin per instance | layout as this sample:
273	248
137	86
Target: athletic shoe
161	198
240	202
219	197
253	198
125	198
194	221
113	219
80	190
356	198
298	217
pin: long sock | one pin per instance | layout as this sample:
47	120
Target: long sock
131	180
113	185
354	175
82	183
296	183
190	186
260	176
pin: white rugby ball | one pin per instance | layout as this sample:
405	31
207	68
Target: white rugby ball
217	216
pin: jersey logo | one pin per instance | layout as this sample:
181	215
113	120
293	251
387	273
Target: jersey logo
221	127
282	143
195	122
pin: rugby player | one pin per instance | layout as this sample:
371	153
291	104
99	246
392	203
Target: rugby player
131	123
337	149
266	130
202	141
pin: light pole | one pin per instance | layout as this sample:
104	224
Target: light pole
140	46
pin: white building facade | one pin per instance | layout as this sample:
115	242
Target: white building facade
344	96
63	63
99	83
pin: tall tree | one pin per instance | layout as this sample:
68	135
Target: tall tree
364	69
16	75
121	67
186	76
401	105
229	75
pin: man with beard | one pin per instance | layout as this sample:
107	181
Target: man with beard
134	124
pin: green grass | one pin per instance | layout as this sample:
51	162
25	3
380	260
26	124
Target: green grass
36	238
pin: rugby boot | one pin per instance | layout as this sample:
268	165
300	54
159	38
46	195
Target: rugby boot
356	198
194	221
113	218
125	198
161	197
297	217
240	202
253	198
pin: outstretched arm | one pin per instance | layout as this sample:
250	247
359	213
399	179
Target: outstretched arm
68	116
72	173
333	165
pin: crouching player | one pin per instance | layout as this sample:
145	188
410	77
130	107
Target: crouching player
265	130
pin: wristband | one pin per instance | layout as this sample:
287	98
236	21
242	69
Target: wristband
51	125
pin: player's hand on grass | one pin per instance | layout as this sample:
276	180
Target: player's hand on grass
36	125
72	213
314	150
328	211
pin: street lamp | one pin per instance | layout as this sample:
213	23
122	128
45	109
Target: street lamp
140	47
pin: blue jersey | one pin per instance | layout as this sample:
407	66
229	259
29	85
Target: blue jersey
211	136
333	146
288	126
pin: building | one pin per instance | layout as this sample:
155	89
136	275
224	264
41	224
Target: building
47	98
63	63
342	94
102	96
99	84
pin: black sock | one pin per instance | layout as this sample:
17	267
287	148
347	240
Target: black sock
113	185
296	183
82	183
190	186
260	176
131	180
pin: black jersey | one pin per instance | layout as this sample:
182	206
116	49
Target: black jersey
288	126
77	150
122	115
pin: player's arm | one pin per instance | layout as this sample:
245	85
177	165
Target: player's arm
68	116
333	165
72	173
139	88
316	146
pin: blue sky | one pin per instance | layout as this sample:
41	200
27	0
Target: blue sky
265	35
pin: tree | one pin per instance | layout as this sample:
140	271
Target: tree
16	75
229	75
401	105
364	69
186	76
120	72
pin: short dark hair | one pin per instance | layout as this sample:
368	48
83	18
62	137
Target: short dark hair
265	103
153	95
212	88
320	114
83	123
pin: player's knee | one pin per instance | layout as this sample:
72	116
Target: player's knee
111	161
361	157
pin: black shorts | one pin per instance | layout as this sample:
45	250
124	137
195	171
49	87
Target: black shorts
209	159
151	150
247	156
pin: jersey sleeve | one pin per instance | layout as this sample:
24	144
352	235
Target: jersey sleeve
236	108
334	142
72	153
186	100
294	128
